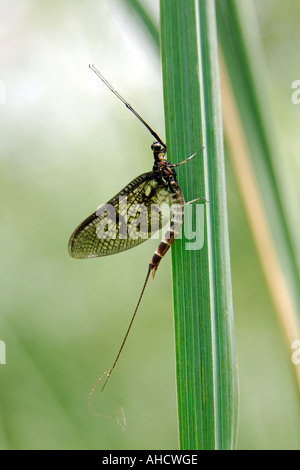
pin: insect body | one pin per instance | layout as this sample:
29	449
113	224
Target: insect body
104	232
147	189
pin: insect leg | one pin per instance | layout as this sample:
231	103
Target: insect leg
187	159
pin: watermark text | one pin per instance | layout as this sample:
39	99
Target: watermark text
296	354
296	94
2	352
136	221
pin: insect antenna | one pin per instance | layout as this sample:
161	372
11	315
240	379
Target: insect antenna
127	332
128	105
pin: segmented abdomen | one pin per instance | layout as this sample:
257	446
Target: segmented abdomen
175	225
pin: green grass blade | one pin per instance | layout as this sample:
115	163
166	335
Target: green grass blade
249	78
205	349
145	19
270	220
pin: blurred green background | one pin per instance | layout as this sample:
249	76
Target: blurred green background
68	145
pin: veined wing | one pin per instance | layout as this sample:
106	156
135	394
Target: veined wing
125	221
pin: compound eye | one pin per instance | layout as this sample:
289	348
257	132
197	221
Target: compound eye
156	146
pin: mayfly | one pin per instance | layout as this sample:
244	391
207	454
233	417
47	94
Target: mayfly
147	190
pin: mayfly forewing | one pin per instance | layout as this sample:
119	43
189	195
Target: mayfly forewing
125	221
